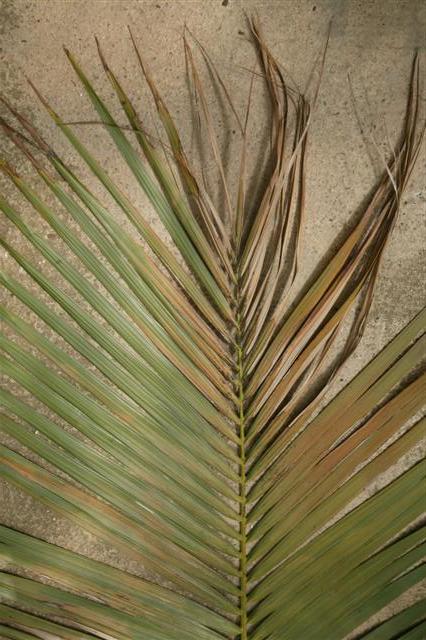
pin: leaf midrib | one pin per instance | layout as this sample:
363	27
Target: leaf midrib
242	483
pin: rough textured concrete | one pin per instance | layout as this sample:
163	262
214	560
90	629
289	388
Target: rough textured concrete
373	40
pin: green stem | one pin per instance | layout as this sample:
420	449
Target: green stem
242	488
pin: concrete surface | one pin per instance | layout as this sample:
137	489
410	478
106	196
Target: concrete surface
373	40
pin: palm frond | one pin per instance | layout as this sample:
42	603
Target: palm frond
178	414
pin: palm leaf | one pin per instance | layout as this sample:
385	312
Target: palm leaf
178	411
